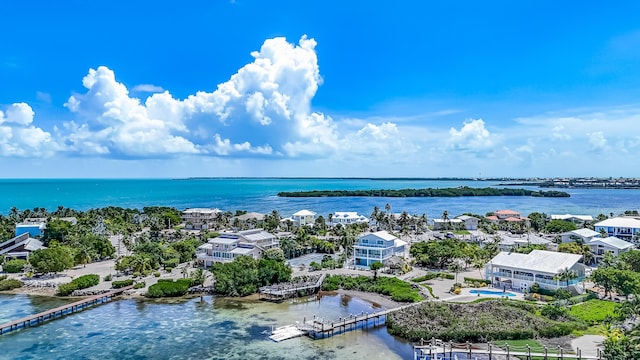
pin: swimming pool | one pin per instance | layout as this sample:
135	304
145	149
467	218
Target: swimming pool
489	292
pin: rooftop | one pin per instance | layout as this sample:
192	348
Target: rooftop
583	232
201	211
538	260
622	221
613	241
570	216
304	213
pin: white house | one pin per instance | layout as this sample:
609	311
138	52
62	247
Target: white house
519	271
199	218
303	217
470	222
580	235
20	246
442	224
228	246
509	243
573	218
378	246
622	227
613	245
347	217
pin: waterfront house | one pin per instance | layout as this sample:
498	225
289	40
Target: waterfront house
229	245
580	235
302	218
518	272
576	219
446	224
613	245
513	242
199	218
347	217
378	246
470	222
622	227
20	246
34	229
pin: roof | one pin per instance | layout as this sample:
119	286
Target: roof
242	251
492	218
583	233
304	213
251	215
613	242
538	260
570	216
622	221
529	239
514	219
255	235
506	212
466	217
207	246
398	243
224	240
202	210
456	221
22	240
382	235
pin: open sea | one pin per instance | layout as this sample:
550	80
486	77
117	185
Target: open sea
219	328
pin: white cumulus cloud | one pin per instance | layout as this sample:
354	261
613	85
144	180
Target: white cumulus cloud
472	136
597	141
19	137
148	88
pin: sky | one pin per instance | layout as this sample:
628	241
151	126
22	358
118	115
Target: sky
219	88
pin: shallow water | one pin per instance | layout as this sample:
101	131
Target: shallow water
215	328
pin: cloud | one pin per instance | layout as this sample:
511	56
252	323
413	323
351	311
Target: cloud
597	141
147	88
558	133
19	138
472	136
43	96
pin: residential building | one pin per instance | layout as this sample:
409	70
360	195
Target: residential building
199	218
580	235
446	224
613	245
347	218
515	271
378	246
470	222
34	229
511	243
303	217
20	246
573	218
228	246
622	227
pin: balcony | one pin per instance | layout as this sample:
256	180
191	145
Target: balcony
381	246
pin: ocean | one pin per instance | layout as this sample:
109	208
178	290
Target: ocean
260	195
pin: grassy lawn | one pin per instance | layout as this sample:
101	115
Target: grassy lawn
460	232
594	311
520	345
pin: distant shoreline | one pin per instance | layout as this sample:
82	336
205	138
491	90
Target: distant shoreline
428	192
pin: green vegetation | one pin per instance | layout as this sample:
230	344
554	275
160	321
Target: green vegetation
52	260
398	290
521	345
82	282
430	289
169	288
476	322
429	192
139	285
244	275
594	311
559	226
9	284
14	266
121	283
433	275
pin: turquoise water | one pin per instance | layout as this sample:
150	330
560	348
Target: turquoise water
489	292
215	328
255	194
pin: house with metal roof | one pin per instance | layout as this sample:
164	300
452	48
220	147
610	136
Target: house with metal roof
379	246
613	245
580	235
347	217
302	217
622	227
20	246
518	272
227	246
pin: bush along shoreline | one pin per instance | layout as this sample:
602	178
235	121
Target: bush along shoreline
397	289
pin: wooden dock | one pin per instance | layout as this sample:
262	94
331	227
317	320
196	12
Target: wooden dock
60	311
439	350
280	292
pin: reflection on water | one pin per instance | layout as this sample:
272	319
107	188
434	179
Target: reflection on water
13	307
214	328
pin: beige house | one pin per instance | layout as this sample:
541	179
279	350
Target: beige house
230	245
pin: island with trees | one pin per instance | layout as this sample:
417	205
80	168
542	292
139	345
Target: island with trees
428	192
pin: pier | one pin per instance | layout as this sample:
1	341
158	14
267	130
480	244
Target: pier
279	292
33	320
439	350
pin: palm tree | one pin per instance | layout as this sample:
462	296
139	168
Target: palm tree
566	275
375	266
456	268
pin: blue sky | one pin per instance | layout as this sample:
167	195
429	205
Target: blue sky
324	88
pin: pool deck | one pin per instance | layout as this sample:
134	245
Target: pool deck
467	296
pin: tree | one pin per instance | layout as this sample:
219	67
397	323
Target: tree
375	266
538	220
456	268
559	226
566	275
52	260
276	254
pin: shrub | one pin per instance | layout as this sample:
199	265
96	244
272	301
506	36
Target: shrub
457	291
3	277
9	284
447	276
171	263
107	278
430	291
121	283
156	274
168	269
136	274
79	283
139	285
398	290
14	265
473	280
169	288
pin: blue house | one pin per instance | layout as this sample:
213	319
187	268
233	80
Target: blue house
378	246
35	229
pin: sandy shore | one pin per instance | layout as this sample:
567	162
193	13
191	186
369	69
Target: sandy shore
376	299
